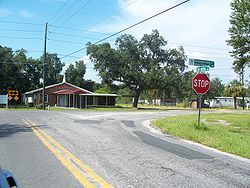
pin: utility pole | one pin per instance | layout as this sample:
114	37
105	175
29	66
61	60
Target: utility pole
44	61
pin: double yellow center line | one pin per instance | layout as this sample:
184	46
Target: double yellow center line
81	172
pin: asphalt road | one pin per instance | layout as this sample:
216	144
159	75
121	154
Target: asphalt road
119	149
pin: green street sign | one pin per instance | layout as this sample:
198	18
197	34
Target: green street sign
200	62
203	69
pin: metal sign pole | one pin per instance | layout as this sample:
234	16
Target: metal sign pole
199	115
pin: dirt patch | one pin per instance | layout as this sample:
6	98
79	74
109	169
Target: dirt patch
220	121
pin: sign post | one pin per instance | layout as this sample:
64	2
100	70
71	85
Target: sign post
201	85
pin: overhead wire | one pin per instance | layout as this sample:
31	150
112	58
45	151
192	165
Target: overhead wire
65	12
192	56
20	30
26	38
198	46
58	11
77	29
76	12
65	41
130	27
70	35
115	12
208	52
24	23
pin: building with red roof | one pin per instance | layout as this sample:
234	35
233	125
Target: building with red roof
65	94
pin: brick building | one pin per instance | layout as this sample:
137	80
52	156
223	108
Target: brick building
68	95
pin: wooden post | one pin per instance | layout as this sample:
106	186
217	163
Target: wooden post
86	101
80	101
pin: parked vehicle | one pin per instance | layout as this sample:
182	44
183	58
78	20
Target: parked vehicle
7	180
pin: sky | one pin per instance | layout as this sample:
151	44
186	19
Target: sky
201	27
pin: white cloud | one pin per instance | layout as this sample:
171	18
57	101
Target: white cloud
4	12
200	26
25	14
91	74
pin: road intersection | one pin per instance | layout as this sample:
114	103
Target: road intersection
104	149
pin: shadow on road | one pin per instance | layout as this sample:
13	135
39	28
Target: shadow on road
9	129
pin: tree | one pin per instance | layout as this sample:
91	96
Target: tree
7	69
240	36
234	91
28	71
53	68
104	89
216	88
184	88
89	85
140	64
75	74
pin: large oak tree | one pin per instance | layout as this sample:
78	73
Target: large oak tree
140	65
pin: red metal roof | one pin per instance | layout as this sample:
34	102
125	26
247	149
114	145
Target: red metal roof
70	91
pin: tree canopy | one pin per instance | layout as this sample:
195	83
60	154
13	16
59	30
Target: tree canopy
24	73
240	34
140	65
75	73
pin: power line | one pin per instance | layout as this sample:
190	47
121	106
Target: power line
75	12
208	47
192	56
58	11
114	13
26	38
75	57
70	35
66	11
215	69
21	30
130	27
222	75
34	51
65	41
24	23
209	52
76	29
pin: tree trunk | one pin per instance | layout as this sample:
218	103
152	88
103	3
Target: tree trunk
242	79
235	103
243	105
137	94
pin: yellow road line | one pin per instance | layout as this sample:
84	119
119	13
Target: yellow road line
84	167
83	180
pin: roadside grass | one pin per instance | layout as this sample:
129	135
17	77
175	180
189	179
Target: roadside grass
227	132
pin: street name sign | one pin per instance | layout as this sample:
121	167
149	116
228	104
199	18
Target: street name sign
201	62
203	69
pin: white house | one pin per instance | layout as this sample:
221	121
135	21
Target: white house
227	102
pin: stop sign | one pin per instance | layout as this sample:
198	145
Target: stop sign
201	83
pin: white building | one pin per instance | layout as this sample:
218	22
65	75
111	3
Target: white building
227	102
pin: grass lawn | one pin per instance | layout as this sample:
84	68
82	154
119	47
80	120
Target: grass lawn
229	132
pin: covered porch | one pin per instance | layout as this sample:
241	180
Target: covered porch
75	98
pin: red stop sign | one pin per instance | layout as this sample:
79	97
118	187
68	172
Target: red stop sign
201	83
